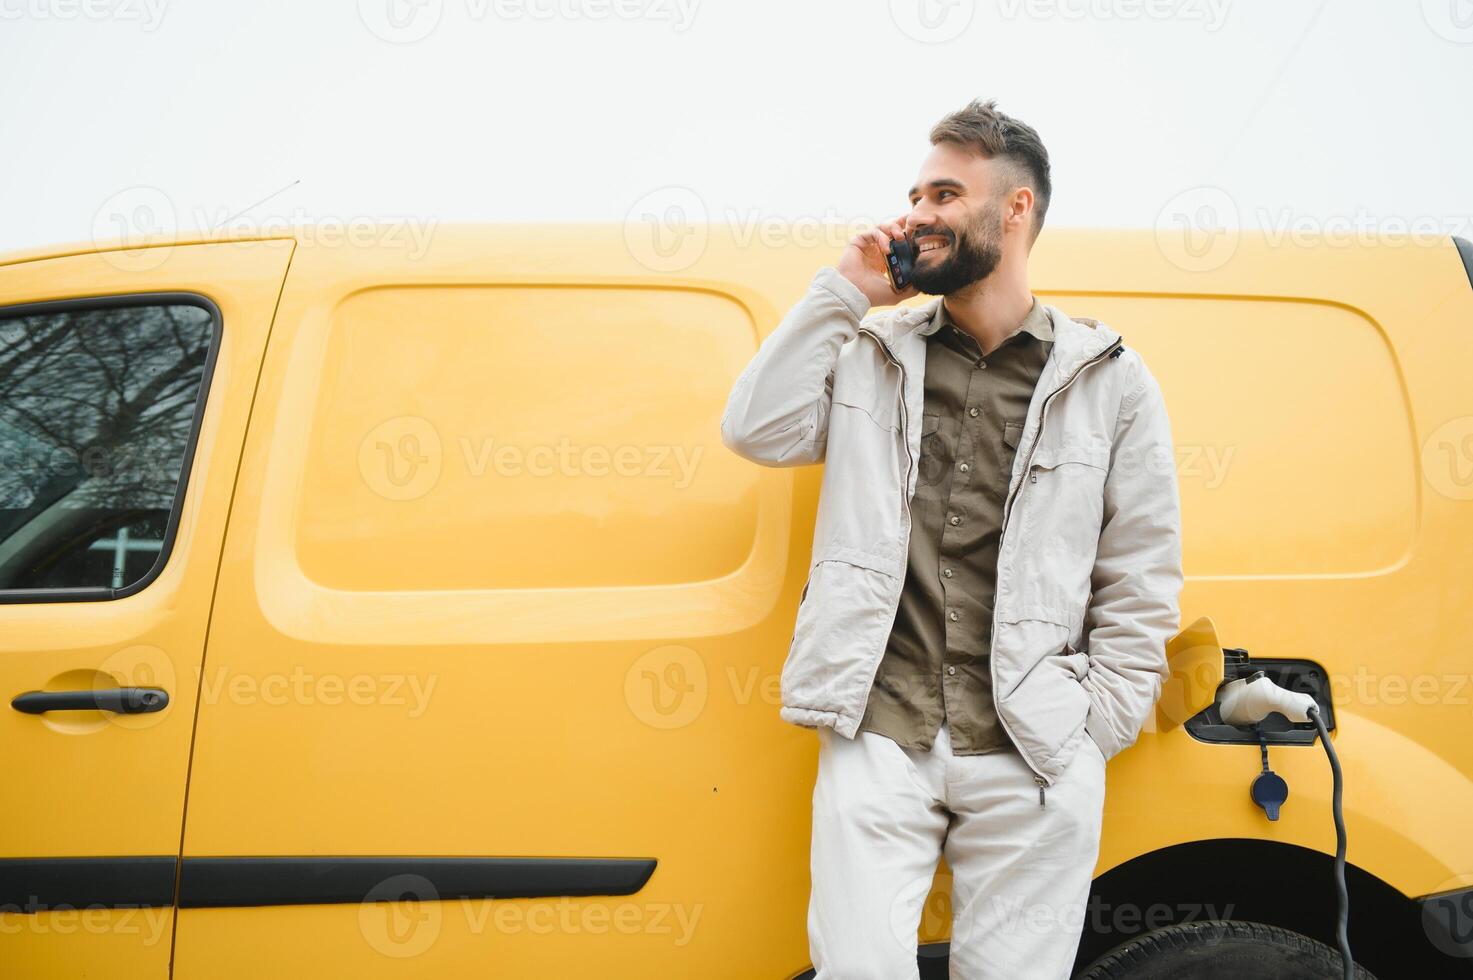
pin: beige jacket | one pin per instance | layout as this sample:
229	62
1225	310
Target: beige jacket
1089	564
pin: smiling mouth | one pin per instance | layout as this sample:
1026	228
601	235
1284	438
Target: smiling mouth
930	243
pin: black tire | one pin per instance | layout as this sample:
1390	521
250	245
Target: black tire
1221	949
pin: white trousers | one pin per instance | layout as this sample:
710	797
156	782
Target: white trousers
1020	871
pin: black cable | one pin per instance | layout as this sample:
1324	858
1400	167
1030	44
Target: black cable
1342	925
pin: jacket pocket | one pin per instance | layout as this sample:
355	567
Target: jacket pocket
866	386
1058	512
837	634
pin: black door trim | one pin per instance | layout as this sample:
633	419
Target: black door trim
235	882
35	884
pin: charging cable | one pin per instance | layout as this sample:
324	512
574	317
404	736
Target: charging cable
1247	701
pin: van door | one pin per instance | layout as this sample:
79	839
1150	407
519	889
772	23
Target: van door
125	383
491	687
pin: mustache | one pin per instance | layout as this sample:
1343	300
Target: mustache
925	230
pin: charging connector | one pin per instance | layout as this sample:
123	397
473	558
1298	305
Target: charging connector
1248	700
1245	702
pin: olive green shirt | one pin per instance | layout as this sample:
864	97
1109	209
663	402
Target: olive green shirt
937	663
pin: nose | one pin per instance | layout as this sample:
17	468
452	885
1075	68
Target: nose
919	217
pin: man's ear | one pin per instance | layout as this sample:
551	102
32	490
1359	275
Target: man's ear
1020	207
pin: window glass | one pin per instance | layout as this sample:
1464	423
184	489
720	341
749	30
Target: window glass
96	409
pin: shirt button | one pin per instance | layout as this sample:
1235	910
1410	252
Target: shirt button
946	572
952	615
972	411
951	670
955	521
981	364
965	467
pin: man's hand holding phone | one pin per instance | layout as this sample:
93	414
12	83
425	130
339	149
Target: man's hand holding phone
865	263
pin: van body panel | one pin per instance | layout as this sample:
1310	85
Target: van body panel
493	594
94	802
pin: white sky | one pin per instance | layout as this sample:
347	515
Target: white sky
186	112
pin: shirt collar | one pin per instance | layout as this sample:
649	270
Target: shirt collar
1036	323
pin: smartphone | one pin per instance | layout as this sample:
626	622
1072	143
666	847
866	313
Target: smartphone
901	262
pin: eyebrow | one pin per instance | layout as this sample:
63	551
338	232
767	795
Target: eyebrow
940	182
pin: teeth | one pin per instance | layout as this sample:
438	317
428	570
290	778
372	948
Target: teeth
931	246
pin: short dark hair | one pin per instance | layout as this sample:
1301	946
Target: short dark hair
980	127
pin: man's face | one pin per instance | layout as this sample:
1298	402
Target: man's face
956	221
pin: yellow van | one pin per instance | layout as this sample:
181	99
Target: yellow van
392	609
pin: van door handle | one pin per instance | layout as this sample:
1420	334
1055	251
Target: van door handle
120	700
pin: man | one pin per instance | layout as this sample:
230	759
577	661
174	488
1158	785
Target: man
996	570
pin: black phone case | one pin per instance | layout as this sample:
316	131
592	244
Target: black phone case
901	261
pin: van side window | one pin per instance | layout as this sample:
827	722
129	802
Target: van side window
98	407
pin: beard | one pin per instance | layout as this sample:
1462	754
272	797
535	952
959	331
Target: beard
973	255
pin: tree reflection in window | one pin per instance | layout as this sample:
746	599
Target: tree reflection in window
96	407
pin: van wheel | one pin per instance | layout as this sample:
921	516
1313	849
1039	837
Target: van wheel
1221	949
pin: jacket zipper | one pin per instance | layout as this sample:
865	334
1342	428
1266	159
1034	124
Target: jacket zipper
1007	512
909	458
904	418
